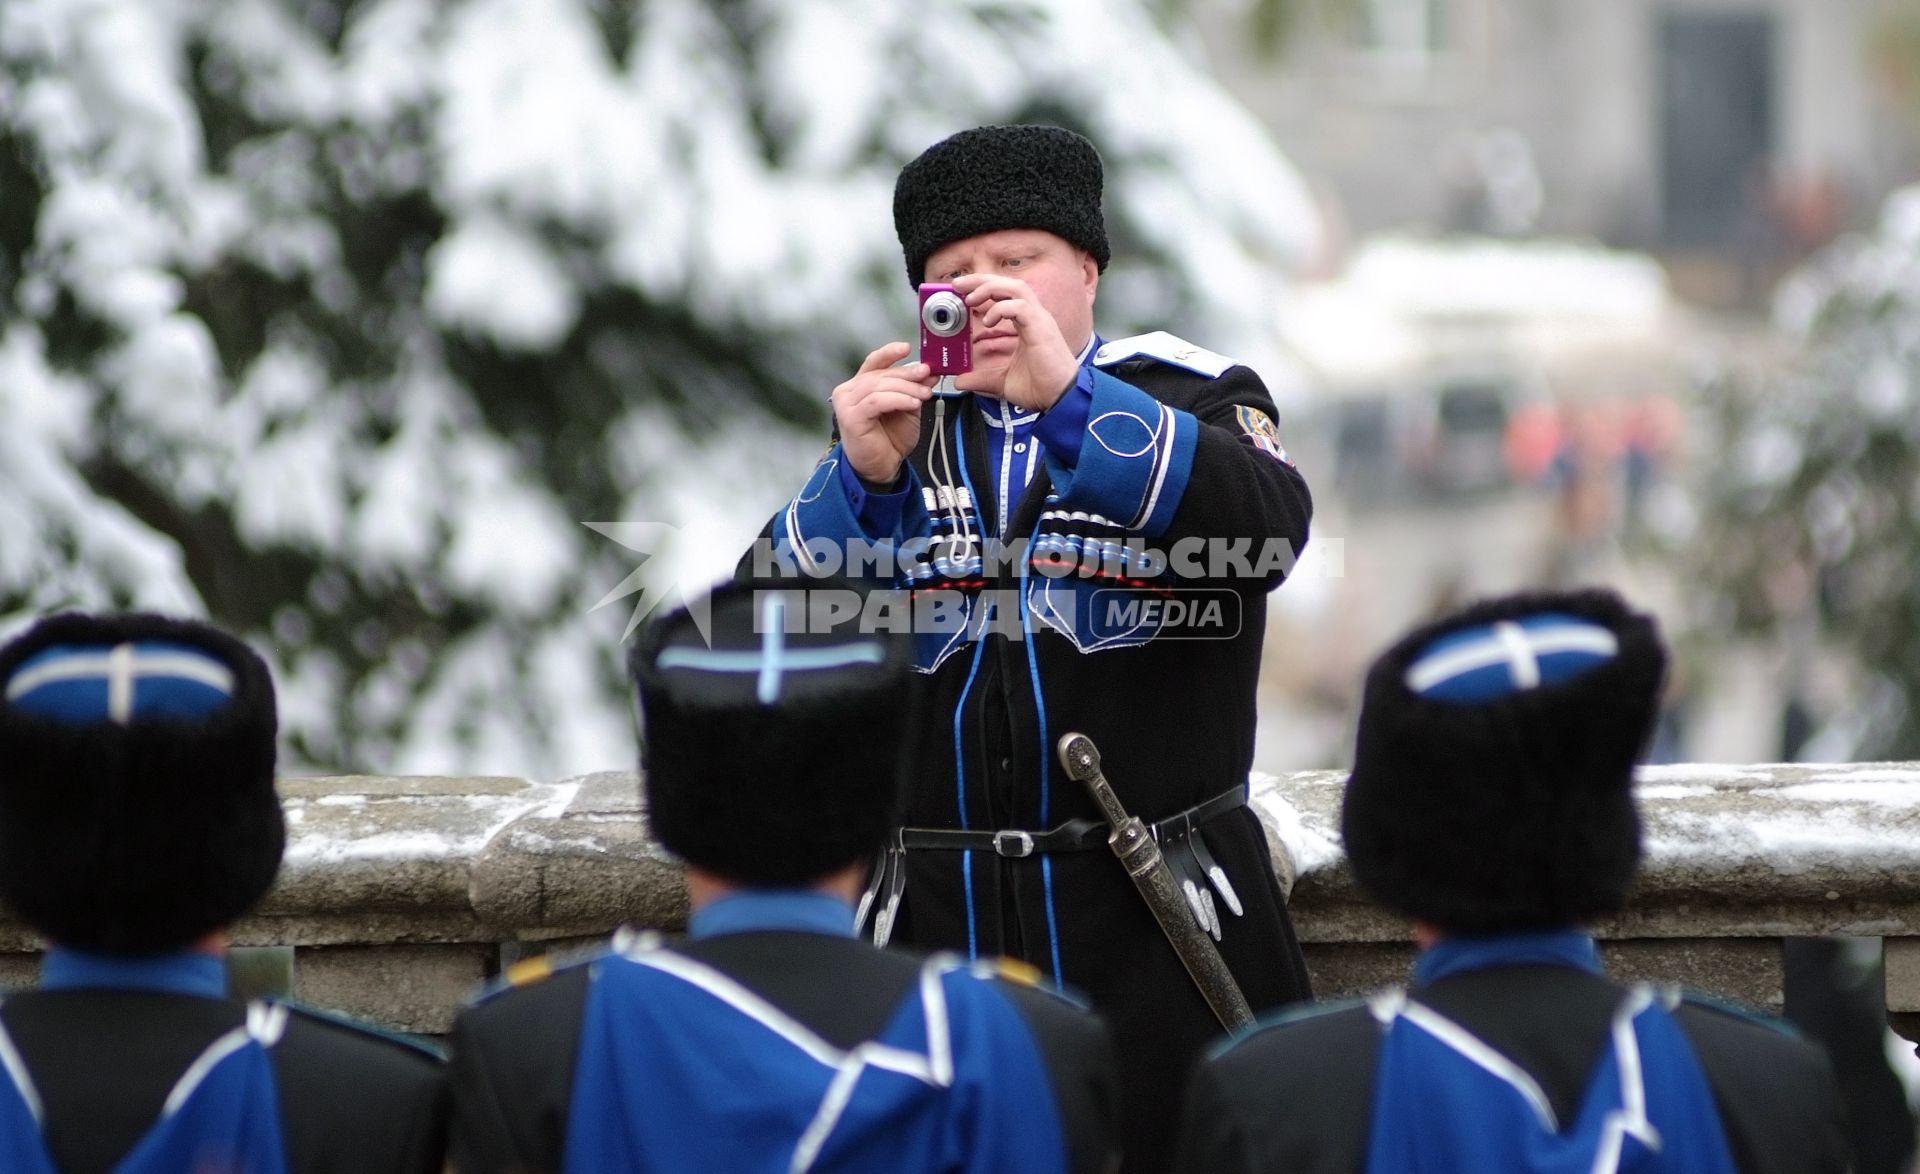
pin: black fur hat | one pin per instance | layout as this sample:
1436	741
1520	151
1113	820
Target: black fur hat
1492	785
772	753
994	177
137	809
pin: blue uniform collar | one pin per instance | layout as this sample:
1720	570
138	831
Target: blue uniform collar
188	972
796	910
1457	955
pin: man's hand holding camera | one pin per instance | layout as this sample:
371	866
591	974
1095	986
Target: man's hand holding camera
1019	354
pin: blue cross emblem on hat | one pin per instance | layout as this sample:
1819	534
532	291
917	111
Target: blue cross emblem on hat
773	659
84	684
1497	660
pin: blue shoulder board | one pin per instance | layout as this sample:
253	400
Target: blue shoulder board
1739	1010
361	1027
1285	1018
1175	352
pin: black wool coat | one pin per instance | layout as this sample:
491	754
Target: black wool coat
1172	710
351	1101
513	1054
1297	1096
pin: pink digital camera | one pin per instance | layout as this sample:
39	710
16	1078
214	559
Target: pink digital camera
946	342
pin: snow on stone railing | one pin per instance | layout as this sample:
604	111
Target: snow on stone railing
400	896
1743	851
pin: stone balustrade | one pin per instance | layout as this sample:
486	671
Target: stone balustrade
1737	857
401	895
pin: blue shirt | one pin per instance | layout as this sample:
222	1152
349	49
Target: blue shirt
757	910
184	972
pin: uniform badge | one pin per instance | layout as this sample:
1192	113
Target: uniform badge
1016	972
1260	428
529	971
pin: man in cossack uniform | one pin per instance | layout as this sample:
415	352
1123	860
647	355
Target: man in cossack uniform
137	820
772	1038
1491	802
1085	531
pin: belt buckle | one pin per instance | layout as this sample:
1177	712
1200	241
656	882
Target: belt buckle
1013	844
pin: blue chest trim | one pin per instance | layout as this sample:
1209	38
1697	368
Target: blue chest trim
1014	448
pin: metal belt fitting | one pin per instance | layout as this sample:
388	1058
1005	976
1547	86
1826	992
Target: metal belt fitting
1075	835
1014	844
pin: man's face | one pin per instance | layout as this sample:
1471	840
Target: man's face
1063	279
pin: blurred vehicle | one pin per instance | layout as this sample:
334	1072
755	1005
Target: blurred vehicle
1427	435
1457	367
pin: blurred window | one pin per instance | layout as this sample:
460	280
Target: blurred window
1470	454
1408	50
1403	28
1366	466
1717	114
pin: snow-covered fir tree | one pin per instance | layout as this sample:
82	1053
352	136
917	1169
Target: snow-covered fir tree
335	320
1808	482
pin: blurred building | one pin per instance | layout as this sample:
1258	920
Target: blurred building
1741	133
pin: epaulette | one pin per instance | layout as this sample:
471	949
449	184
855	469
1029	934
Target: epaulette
1025	974
538	969
1738	1010
1287	1017
1175	352
412	1043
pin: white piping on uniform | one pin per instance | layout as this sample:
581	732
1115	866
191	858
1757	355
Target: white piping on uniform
1163	443
1468	1045
1630	1119
934	1069
22	1080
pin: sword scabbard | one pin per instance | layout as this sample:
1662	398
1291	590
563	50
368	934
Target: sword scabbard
1137	852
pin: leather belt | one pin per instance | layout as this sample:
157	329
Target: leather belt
1075	835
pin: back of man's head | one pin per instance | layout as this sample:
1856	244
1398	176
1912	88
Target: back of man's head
1492	785
773	741
137	809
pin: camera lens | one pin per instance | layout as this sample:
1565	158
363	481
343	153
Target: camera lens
944	314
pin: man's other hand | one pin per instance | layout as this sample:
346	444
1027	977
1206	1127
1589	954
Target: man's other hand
878	412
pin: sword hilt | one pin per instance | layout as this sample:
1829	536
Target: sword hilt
1081	758
1129	837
